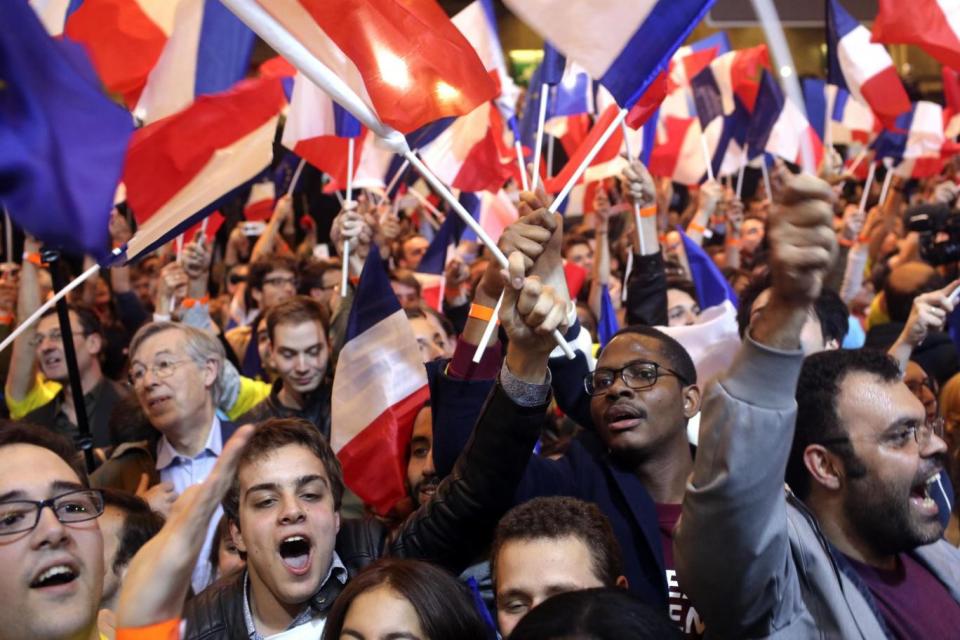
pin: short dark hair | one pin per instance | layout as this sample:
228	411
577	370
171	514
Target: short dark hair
89	322
140	524
312	272
297	310
818	390
573	240
407	277
556	517
676	354
12	433
595	614
260	269
274	433
443	605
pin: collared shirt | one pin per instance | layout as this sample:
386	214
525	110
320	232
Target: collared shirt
336	571
183	472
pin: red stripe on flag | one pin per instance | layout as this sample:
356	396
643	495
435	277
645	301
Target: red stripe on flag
124	44
885	94
375	461
746	71
486	167
165	156
923	23
416	65
607	153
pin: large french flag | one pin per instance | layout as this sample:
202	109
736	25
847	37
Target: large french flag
778	126
863	68
123	37
830	106
207	52
932	25
379	386
623	44
606	163
470	154
405	60
179	165
916	134
318	130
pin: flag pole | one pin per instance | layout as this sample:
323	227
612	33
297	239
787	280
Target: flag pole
523	170
550	141
586	161
296	176
706	156
435	217
887	179
8	232
636	205
396	178
766	180
345	267
866	187
856	161
743	166
541	120
474	226
488	331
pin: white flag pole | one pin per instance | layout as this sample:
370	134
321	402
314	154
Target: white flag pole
296	176
8	232
636	205
550	141
345	267
523	170
866	187
766	180
887	180
586	161
541	120
482	235
488	331
396	178
706	156
435	217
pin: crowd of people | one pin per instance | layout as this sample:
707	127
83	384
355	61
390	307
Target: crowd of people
802	487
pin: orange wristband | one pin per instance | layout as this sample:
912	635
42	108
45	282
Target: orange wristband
648	212
698	228
34	258
480	312
189	302
844	242
733	242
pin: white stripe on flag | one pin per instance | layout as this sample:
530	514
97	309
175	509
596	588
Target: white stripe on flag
375	371
229	167
162	12
860	59
170	85
310	114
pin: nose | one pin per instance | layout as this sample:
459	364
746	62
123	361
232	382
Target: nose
50	532
619	389
935	446
429	470
291	512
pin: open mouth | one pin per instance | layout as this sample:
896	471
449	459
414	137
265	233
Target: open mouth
157	403
920	496
428	488
622	418
295	551
55	576
52	361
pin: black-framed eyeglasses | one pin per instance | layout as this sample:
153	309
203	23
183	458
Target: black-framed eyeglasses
237	278
638	375
20	516
920	432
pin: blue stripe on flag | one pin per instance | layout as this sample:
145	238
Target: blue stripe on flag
720	40
839	24
345	125
707	98
572	99
435	257
491	15
607	324
712	288
223	53
73	6
650	47
374	299
840	104
553	65
892	143
649	137
765	113
428	133
815	99
470	202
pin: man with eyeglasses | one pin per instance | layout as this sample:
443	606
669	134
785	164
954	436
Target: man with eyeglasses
100	393
853	549
176	372
51	549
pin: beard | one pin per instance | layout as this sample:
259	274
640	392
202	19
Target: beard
880	514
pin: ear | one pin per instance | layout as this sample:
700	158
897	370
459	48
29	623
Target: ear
237	537
691	401
336	521
824	467
210	372
622	583
94	343
256	294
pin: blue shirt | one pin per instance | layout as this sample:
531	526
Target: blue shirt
183	472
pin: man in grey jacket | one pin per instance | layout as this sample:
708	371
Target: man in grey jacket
860	555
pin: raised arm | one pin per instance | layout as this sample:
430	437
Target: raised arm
20	377
732	546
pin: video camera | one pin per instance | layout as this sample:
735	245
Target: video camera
939	229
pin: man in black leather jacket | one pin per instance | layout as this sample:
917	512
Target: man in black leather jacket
449	530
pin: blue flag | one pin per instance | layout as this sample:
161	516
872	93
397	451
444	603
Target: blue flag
607	324
435	257
553	65
712	287
62	141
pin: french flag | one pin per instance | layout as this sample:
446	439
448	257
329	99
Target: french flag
623	44
932	25
712	288
124	38
687	62
405	60
260	201
470	154
430	271
478	24
861	67
678	154
917	134
207	52
778	126
606	163
830	106
379	386
494	211
179	165
732	76
607	324
318	130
